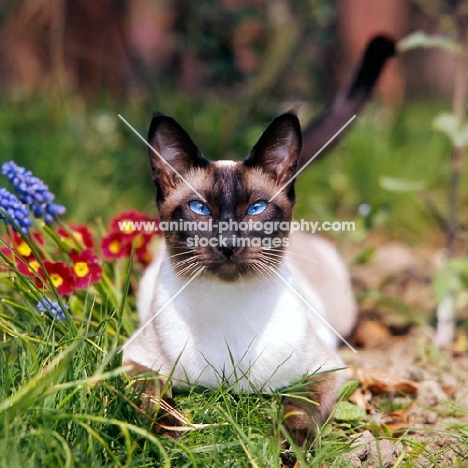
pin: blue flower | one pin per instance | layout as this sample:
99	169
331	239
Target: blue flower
11	207
52	309
33	192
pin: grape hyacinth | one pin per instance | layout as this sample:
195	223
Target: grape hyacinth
33	192
51	308
17	212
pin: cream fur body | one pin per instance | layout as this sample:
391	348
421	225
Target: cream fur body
255	333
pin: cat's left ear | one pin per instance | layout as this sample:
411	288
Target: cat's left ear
278	149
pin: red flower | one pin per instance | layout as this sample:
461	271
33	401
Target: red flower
131	223
115	245
86	267
22	247
130	230
7	252
79	233
142	253
131	215
20	252
61	276
28	266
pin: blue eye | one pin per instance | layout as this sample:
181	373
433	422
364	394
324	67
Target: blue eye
257	208
199	208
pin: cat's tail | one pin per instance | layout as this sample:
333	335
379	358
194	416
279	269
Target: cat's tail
349	100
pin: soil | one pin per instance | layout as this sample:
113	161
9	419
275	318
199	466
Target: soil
415	395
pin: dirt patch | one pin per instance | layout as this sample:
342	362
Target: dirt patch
415	395
429	418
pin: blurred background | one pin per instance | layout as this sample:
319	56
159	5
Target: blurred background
224	69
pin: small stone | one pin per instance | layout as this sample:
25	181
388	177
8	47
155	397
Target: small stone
381	452
352	460
362	442
430	417
398	448
372	451
420	415
430	393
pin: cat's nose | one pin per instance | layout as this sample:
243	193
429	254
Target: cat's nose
227	250
227	246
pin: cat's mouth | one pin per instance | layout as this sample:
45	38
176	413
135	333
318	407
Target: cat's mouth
230	271
235	268
228	266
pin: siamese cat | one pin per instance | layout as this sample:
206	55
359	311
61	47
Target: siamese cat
227	301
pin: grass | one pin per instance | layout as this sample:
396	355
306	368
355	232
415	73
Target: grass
66	401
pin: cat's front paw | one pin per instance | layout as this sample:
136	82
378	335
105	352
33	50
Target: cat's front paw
304	417
153	398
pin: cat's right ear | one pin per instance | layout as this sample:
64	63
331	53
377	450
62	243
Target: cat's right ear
175	154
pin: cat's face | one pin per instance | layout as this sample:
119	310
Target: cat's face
219	216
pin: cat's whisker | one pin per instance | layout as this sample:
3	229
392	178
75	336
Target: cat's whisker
171	266
183	264
282	258
262	268
278	263
189	258
185	270
294	253
264	262
183	247
186	260
182	253
199	268
258	270
288	260
272	260
271	255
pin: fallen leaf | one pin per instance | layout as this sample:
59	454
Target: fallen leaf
380	382
362	399
397	422
449	390
371	334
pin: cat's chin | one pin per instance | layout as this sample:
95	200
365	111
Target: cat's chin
231	272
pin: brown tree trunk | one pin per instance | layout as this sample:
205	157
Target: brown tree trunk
358	21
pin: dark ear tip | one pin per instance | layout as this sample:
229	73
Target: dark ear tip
158	119
292	118
380	48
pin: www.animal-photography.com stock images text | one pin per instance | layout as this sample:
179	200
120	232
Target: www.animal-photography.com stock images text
234	233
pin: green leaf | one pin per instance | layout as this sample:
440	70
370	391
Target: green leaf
348	389
394	184
346	411
420	39
450	125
